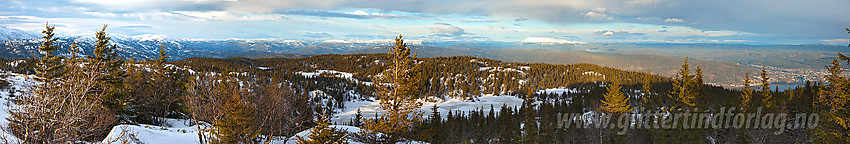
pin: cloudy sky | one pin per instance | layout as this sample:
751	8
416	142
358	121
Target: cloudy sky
667	21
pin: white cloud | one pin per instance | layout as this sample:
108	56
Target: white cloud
146	15
548	40
644	2
374	14
608	33
224	15
447	30
138	5
496	26
836	41
597	16
101	14
673	20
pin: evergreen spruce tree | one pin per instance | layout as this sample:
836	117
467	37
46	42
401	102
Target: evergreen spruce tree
235	125
646	89
435	115
530	130
767	97
436	126
507	132
697	89
835	110
746	92
73	51
399	99
834	104
49	66
358	119
324	134
161	61
681	91
106	61
615	101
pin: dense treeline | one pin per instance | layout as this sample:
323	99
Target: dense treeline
457	77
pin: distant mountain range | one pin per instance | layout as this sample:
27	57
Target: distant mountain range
7	33
724	63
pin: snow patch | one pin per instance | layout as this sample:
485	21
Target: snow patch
179	132
369	109
557	91
327	72
593	73
500	69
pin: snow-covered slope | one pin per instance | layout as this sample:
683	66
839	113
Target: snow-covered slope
18	85
7	33
371	108
178	133
347	129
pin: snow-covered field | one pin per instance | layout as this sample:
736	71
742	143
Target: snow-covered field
371	108
180	132
333	73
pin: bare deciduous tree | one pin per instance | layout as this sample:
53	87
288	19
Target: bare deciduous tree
62	111
278	113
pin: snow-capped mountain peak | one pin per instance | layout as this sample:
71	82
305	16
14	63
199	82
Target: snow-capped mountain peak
7	33
148	37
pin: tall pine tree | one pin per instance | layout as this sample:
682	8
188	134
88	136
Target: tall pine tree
106	61
682	91
835	106
235	125
697	88
834	101
766	96
324	134
50	65
746	92
398	99
615	101
646	89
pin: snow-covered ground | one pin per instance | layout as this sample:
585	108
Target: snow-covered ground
18	85
371	108
333	73
180	132
304	134
347	129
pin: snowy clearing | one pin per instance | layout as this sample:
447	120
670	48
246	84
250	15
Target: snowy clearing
370	108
